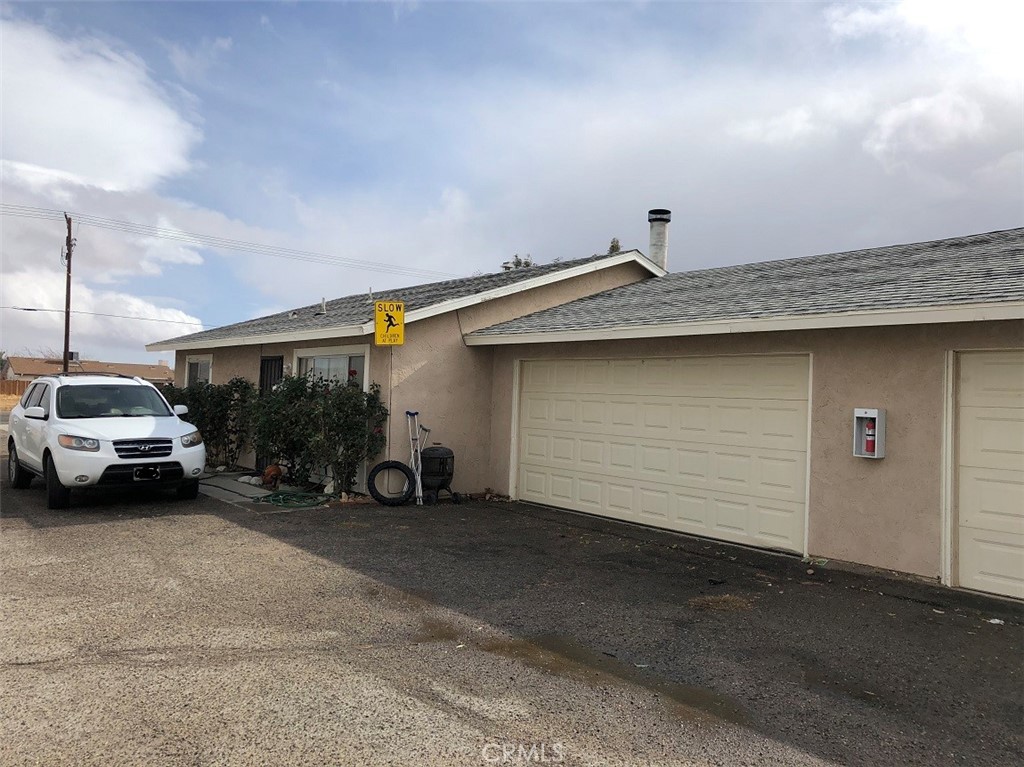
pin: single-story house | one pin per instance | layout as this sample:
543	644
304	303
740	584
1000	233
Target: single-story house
28	368
865	406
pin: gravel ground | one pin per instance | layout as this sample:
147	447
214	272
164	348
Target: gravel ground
145	630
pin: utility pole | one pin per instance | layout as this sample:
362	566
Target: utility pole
69	245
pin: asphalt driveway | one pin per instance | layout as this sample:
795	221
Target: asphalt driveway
144	630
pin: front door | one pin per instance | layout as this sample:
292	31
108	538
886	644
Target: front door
271	373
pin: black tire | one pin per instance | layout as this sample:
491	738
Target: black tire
429	497
16	474
57	496
188	490
384	471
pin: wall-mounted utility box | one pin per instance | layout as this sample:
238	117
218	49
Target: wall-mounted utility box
869	432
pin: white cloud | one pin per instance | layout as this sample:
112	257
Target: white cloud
986	30
790	127
925	124
92	335
81	111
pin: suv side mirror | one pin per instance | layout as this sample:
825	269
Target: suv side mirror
35	412
179	409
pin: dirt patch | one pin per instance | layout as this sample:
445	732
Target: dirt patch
721	603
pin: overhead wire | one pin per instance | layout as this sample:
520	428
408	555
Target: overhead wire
213	241
100	313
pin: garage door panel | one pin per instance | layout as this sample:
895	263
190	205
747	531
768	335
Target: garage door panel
535	447
591	453
561	487
537	410
714	446
533	483
563	449
783	377
773	474
992	437
716	421
990	472
590	494
992	379
992	561
717	514
654	506
621	499
658	375
992	500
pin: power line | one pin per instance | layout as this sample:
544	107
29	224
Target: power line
213	241
101	314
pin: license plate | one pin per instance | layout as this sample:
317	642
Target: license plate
146	473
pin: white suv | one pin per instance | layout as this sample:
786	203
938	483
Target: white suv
78	431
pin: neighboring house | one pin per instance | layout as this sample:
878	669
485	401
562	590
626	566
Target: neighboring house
27	368
721	402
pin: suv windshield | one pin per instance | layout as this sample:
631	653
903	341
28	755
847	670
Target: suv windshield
109	401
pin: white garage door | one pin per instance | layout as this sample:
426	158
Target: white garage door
990	472
714	446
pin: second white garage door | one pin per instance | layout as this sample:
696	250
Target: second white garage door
714	446
990	472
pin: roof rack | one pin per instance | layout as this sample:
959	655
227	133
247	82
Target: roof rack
86	373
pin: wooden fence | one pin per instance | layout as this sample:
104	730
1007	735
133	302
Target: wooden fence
13	387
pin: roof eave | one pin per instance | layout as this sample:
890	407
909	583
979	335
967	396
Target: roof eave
263	338
416	315
629	256
1008	310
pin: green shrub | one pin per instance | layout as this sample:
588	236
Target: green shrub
312	423
222	412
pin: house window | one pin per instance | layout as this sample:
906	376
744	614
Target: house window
336	363
198	369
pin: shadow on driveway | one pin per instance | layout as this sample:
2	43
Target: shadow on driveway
849	666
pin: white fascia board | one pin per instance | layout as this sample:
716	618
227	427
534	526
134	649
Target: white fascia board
536	282
267	338
1011	310
422	314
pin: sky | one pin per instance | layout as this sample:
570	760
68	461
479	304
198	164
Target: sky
406	141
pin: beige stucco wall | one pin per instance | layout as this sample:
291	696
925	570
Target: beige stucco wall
450	384
434	371
884	513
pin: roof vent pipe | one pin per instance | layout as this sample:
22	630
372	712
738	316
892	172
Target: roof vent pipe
659	218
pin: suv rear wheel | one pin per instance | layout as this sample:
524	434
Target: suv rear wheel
16	474
57	496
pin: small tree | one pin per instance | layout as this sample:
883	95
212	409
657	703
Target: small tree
313	423
222	412
614	247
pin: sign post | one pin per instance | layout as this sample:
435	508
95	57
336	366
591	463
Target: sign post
389	323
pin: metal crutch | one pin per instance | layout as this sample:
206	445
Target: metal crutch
412	418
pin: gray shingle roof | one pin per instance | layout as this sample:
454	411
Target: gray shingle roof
357	309
981	268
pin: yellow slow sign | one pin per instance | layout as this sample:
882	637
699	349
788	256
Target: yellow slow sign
389	323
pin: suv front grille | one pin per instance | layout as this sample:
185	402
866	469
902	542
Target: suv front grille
124	473
143	448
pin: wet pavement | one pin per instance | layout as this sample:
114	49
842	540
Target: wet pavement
140	629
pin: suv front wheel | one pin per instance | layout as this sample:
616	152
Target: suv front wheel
57	496
16	474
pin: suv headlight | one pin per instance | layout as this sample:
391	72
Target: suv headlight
78	443
191	440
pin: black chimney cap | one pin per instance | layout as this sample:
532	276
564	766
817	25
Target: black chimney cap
659	214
